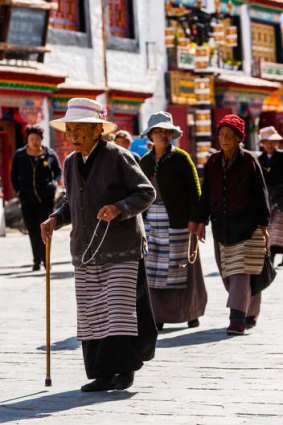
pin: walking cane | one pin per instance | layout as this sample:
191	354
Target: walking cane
48	381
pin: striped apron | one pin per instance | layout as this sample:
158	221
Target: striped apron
106	300
276	227
246	257
167	251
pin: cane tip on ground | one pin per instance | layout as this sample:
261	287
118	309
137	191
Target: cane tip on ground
48	382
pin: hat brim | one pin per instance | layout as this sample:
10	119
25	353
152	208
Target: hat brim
273	137
176	131
108	127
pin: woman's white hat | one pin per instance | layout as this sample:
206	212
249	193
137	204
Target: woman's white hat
86	111
269	133
162	119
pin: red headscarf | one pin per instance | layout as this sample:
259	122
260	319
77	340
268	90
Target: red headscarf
236	123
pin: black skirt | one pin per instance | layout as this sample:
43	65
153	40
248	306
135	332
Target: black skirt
124	354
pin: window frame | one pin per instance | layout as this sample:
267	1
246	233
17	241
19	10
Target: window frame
120	43
73	38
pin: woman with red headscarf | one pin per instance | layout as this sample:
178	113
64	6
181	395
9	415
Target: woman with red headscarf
234	198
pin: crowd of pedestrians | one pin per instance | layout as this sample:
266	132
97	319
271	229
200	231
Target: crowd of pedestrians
136	224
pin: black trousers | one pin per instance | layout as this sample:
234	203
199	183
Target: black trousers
33	215
123	354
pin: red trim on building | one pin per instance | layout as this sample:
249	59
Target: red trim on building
129	94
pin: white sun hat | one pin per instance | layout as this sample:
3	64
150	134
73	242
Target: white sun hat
269	133
86	111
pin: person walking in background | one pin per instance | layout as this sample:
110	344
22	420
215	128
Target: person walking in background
271	161
234	197
123	138
177	288
35	173
106	192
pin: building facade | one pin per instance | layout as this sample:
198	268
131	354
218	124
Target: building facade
111	50
197	59
223	57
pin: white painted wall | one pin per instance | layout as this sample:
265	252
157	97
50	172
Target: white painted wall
126	70
246	39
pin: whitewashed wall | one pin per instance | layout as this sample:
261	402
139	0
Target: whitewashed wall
126	71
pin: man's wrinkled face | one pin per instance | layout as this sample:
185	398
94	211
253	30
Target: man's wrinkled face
83	135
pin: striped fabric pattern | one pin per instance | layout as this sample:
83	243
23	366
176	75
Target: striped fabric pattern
246	257
106	300
167	251
276	227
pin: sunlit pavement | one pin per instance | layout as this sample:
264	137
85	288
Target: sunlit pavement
198	377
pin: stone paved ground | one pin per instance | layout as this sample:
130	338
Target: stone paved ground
198	377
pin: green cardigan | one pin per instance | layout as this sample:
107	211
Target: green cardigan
178	183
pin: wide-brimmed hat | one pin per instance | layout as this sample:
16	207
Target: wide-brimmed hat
234	122
269	133
162	119
86	111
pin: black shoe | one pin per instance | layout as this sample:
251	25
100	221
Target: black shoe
36	267
193	323
100	384
124	380
159	326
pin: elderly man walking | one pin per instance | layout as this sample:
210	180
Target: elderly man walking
106	192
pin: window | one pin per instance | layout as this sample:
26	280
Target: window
70	23
67	15
121	23
263	42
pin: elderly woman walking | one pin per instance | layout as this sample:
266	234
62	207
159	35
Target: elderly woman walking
271	161
177	287
234	197
106	192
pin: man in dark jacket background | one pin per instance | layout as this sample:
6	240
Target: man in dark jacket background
35	174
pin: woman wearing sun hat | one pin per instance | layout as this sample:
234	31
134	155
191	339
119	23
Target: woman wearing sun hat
234	198
177	288
105	186
271	161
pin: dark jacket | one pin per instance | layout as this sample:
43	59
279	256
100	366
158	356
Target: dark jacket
35	178
178	183
272	169
236	200
114	178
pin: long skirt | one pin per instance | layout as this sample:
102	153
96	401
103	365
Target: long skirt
122	351
178	293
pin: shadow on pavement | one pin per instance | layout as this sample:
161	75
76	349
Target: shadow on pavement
40	274
200	337
27	266
42	407
67	344
212	274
